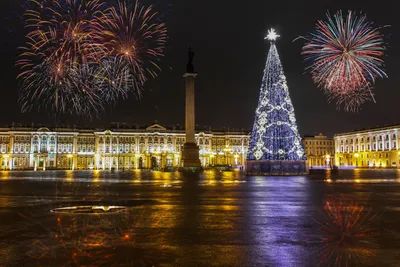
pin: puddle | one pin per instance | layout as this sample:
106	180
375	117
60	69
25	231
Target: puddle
89	209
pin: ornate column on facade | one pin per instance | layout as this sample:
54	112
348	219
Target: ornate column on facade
190	160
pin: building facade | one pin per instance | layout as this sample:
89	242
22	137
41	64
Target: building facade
320	151
154	147
373	148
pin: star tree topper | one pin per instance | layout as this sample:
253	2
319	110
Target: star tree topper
272	36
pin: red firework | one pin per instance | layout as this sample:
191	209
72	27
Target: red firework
345	57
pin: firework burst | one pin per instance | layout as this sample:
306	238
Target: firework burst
60	41
344	55
135	41
82	54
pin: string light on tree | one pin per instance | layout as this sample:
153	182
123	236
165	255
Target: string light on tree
275	136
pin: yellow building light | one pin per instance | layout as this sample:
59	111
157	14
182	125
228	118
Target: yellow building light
356	155
70	156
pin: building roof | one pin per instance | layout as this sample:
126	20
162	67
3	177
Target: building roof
319	136
372	129
121	127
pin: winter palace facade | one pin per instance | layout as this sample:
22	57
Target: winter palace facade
153	147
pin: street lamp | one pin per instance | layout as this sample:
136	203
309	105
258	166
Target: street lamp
69	161
356	156
211	159
398	160
328	160
6	157
226	150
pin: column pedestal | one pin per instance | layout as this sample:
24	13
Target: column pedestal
190	160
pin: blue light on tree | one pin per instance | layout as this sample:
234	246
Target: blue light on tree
275	135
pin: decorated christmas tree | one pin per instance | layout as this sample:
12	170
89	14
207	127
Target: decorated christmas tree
275	144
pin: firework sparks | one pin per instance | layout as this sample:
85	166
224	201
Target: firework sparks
80	54
345	58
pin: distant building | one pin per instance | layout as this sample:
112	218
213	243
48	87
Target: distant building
319	150
376	147
153	147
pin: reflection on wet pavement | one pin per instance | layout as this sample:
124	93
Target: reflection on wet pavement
210	219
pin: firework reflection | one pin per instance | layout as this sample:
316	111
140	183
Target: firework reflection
106	239
347	234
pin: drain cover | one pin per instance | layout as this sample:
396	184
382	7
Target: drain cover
89	209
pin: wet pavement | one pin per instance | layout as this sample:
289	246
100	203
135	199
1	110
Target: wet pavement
212	219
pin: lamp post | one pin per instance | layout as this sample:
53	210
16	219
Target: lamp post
69	161
211	159
226	151
6	157
356	156
328	160
398	160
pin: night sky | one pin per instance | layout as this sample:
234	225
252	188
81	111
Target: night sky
228	39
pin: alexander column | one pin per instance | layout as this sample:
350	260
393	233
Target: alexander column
190	151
